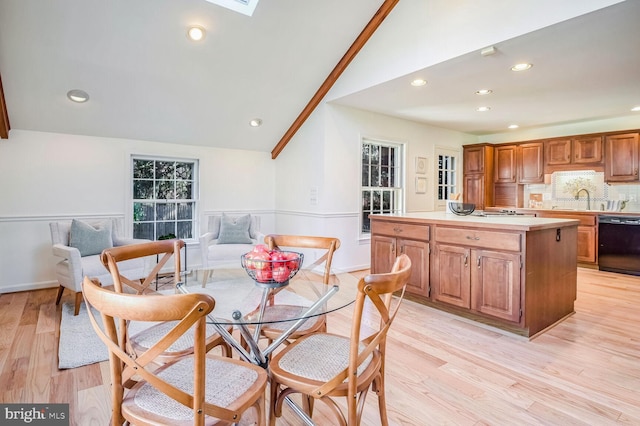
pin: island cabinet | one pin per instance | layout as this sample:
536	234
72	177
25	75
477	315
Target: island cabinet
389	240
587	237
478	270
518	273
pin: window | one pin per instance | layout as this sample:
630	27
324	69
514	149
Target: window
447	175
164	198
381	180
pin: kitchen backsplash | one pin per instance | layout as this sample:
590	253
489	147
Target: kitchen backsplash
559	192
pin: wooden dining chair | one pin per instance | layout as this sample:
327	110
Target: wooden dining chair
199	389
161	252
322	366
325	248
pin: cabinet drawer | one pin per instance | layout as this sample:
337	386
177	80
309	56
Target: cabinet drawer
404	230
475	238
585	220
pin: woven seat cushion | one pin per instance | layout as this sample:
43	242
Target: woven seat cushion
282	312
226	382
320	357
151	335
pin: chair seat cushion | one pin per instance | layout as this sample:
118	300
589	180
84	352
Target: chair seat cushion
227	252
319	357
226	382
150	336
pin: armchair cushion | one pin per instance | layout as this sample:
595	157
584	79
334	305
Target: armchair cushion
90	240
235	230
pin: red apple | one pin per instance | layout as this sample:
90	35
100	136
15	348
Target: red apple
280	274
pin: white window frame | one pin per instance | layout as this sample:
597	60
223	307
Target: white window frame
195	191
455	174
397	191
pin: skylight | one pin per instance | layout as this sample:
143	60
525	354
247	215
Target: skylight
246	7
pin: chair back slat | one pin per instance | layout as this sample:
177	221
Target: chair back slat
328	244
164	250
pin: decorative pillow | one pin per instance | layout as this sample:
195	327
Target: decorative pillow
234	230
88	239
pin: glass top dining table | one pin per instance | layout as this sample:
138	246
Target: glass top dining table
246	305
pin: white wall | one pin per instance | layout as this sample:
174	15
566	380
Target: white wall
326	154
47	177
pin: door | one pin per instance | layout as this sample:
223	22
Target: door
418	252
505	164
530	163
621	154
495	283
452	281
474	190
558	152
383	253
587	150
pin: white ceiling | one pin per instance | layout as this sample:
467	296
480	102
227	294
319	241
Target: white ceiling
584	69
147	81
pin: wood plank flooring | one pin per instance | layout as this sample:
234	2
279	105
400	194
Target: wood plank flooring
441	369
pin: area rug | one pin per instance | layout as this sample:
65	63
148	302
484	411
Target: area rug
79	344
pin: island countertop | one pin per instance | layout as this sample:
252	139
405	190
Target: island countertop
506	222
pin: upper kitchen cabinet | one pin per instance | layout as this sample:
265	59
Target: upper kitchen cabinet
505	164
621	158
530	164
573	153
478	175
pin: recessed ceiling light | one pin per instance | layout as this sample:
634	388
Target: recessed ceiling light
419	82
256	122
196	33
636	108
513	126
483	108
484	91
77	95
521	67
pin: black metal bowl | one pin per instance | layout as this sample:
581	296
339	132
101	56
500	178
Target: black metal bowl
462	209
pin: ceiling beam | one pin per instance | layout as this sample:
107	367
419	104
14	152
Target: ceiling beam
4	115
333	76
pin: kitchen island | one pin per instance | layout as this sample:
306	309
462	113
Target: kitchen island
514	272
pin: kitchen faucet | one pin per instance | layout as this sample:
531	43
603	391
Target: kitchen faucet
588	197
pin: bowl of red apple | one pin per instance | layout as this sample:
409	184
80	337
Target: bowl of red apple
273	268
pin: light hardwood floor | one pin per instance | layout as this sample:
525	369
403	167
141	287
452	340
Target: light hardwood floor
441	369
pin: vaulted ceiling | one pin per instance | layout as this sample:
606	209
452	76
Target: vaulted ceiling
147	81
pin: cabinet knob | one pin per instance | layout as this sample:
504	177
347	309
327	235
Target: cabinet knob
466	258
397	230
469	237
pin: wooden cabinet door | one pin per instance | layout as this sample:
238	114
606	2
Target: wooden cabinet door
474	190
505	164
451	283
495	284
587	150
473	159
621	154
383	253
557	152
531	163
586	244
418	252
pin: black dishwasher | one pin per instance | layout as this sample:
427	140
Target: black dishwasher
619	244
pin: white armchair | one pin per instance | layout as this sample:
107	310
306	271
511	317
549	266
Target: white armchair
74	267
220	248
